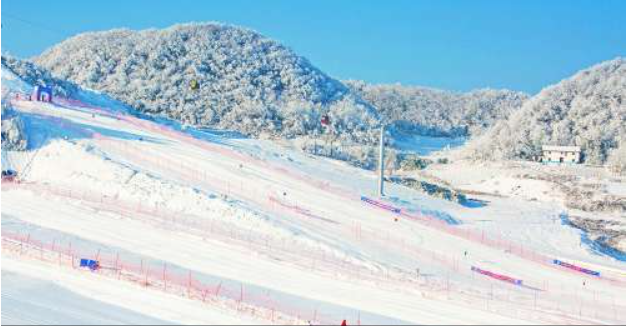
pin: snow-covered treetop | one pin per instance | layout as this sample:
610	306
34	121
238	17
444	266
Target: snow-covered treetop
586	110
212	74
429	111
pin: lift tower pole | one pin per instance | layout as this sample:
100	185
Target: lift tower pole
381	162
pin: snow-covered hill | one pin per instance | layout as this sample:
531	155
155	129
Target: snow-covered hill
198	226
433	112
588	110
214	75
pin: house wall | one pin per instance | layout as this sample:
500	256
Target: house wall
555	156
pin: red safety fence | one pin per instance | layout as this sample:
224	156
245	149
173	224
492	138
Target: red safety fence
497	276
226	187
193	176
170	132
245	299
266	304
314	259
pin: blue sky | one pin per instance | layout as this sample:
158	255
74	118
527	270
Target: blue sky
457	45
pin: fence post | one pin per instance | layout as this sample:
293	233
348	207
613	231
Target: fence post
217	291
614	309
146	278
241	294
118	269
189	285
164	277
448	286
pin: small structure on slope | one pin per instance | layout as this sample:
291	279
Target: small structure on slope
561	154
9	175
42	94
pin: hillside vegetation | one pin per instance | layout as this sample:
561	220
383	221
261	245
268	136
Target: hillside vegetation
27	73
213	75
587	110
433	112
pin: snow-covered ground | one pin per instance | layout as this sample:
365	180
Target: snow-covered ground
285	231
558	187
425	145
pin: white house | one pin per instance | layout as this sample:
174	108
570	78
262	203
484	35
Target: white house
561	154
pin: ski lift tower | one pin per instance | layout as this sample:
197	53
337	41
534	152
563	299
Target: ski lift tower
381	162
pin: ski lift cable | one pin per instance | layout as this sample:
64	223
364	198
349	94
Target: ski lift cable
32	158
31	24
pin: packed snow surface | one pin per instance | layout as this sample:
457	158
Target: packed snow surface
276	234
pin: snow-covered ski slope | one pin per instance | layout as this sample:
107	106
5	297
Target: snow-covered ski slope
189	220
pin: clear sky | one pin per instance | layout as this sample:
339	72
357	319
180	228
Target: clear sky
457	45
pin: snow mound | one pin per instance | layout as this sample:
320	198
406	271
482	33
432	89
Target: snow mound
65	165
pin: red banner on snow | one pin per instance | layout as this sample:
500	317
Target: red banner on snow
497	276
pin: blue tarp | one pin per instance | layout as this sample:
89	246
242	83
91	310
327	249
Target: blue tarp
91	264
576	268
381	205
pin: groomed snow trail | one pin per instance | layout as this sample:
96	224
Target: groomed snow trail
274	220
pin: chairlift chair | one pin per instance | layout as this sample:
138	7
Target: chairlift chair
194	85
325	120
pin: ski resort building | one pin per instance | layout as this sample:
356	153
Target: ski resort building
561	154
42	94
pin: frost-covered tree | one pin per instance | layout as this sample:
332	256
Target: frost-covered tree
587	110
33	75
214	75
13	133
433	112
617	159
